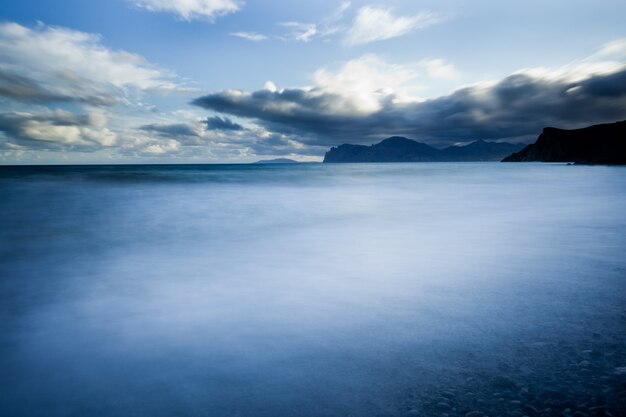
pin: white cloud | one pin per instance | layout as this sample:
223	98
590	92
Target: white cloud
438	68
370	24
607	59
250	36
270	86
616	49
363	82
57	64
57	129
302	32
163	147
332	23
338	13
191	9
190	139
60	89
366	83
360	86
375	24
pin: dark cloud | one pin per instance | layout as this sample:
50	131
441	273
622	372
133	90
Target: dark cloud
219	123
183	133
518	105
28	90
172	130
610	85
21	88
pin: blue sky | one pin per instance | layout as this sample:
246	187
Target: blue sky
228	80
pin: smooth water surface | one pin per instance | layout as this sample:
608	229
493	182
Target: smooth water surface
306	290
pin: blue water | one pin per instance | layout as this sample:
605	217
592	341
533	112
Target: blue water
299	290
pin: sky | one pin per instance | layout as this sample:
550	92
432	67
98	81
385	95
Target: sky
213	81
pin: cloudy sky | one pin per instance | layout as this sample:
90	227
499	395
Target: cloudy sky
169	81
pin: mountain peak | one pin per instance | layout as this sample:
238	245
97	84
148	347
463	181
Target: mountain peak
396	139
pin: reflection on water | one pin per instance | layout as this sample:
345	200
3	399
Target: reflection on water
309	290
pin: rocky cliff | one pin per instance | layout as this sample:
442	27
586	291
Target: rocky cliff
598	144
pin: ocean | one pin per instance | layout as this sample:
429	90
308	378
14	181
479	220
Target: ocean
312	290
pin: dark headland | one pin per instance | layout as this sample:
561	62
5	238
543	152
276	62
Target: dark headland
400	149
598	144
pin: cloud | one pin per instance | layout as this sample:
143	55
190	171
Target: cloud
359	104
222	123
250	36
228	137
302	32
614	49
197	133
438	68
191	141
24	89
176	130
376	24
370	24
329	25
155	148
332	23
55	130
69	87
359	87
191	9
51	64
363	81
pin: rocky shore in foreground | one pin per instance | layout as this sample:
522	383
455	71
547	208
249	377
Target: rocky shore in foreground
541	380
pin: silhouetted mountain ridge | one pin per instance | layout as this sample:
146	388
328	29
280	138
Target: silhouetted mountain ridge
401	149
597	144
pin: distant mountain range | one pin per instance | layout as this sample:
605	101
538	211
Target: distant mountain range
277	161
598	144
400	149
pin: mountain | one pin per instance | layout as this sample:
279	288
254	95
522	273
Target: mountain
481	151
277	161
598	144
399	149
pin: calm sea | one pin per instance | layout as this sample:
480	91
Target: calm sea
308	289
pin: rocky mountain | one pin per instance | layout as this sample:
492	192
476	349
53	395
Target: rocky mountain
400	149
598	144
481	151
